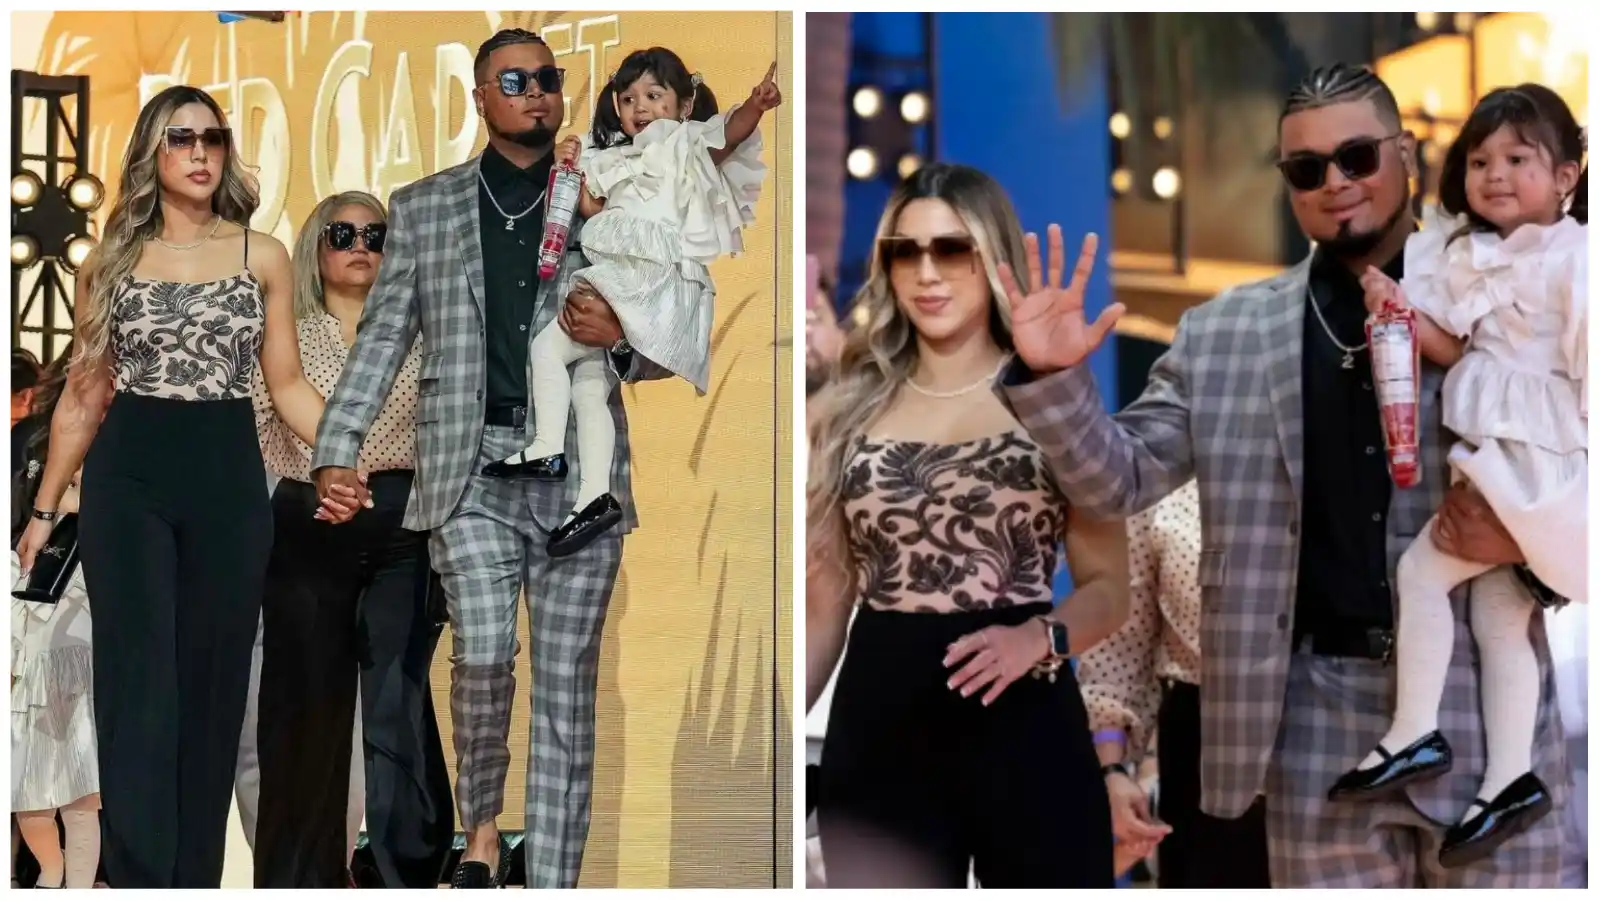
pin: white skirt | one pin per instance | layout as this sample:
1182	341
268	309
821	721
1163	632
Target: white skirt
54	757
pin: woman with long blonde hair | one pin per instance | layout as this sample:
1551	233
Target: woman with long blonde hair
957	740
346	602
175	310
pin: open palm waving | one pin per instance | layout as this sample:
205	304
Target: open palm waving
1048	325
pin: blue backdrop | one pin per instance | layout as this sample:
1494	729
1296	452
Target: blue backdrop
996	107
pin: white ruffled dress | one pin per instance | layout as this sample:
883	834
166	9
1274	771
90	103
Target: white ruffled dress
1518	397
54	758
669	213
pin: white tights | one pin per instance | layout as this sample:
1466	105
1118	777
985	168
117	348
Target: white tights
1500	611
553	391
76	866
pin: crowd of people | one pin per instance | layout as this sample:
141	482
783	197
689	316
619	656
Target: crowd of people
1245	608
274	646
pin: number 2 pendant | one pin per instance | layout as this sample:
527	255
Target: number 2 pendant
511	224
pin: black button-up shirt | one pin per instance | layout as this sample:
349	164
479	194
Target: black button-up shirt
510	269
1344	564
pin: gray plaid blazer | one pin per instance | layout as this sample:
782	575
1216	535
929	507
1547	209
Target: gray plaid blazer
431	281
1224	406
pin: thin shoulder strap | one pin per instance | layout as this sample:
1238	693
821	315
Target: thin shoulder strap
247	247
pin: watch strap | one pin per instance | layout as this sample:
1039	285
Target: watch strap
46	515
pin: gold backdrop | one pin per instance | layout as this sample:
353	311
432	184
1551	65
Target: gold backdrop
693	769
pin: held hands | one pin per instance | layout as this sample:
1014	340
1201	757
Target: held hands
1048	325
766	96
1136	830
995	657
1381	290
343	492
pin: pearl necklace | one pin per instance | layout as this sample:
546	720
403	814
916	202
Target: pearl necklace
980	383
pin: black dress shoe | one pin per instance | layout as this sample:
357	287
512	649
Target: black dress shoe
476	873
1519	805
1424	758
602	513
546	469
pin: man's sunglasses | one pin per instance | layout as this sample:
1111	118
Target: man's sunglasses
1357	159
951	254
185	138
515	82
342	235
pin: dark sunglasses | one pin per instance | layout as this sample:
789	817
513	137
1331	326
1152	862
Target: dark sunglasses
951	254
185	138
342	235
1357	159
515	82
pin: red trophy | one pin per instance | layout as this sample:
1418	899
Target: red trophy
566	186
1397	376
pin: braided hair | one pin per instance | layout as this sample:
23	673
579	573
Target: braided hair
505	37
1340	83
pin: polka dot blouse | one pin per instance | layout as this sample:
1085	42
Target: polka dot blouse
1161	639
392	441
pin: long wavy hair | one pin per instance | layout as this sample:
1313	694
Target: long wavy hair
879	355
1539	118
136	215
308	300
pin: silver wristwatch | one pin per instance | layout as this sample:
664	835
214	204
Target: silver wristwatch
622	348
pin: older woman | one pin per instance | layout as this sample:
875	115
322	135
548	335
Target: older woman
957	740
343	600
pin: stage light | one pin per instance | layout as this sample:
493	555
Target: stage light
85	192
24	251
1122	181
78	250
25	189
1162	127
1121	126
1427	21
914	107
867	102
862	163
909	164
1166	183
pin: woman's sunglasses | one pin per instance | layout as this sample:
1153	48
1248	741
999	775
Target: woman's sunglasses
1357	159
515	82
951	254
185	138
342	235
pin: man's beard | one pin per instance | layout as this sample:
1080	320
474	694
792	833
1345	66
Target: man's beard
540	135
1349	245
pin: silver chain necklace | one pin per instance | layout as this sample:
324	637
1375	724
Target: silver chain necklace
986	380
215	224
1349	361
511	221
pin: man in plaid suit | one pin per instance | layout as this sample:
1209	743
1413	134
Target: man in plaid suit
1265	398
460	269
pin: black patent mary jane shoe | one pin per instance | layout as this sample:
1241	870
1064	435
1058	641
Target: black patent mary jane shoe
1518	806
544	469
591	522
1425	758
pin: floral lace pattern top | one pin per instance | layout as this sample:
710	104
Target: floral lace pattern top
188	341
936	528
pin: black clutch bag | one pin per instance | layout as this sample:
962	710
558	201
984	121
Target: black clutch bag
53	566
